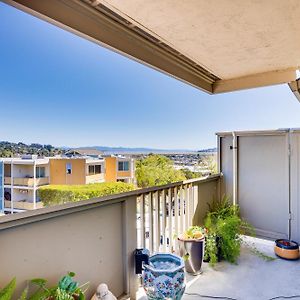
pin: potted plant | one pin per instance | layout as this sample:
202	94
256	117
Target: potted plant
224	228
191	248
66	289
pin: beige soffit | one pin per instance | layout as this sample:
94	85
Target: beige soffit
217	45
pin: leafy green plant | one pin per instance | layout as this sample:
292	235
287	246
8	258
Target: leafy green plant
60	194
193	232
66	289
7	292
211	249
224	227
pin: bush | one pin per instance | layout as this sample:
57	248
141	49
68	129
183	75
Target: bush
224	231
60	194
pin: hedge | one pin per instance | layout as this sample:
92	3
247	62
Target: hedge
59	194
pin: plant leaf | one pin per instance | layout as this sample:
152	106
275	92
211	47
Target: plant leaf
71	274
7	292
24	294
39	282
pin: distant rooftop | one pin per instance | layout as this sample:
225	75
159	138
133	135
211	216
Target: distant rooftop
84	152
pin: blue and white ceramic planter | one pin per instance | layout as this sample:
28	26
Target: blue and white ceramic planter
163	277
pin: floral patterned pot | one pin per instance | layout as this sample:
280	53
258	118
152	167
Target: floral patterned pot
163	277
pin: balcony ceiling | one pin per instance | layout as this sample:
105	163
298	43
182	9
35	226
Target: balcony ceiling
216	45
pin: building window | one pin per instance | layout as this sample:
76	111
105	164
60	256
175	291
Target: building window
97	169
123	166
40	172
69	168
91	170
94	169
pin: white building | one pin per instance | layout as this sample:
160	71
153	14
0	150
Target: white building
20	178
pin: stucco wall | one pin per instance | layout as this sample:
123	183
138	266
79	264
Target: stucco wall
58	174
110	169
95	239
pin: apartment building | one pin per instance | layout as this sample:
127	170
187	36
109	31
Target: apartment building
76	170
20	179
119	168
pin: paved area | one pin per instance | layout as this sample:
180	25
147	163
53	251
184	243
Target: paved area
251	279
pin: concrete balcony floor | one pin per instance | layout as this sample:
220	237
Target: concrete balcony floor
251	279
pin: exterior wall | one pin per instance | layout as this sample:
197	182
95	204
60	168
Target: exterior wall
123	174
226	164
206	192
94	238
112	174
58	174
268	176
263	183
110	169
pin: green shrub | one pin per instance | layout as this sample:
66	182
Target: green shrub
60	194
224	231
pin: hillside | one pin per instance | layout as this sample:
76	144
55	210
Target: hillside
8	149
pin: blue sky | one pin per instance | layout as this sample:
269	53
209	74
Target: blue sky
58	88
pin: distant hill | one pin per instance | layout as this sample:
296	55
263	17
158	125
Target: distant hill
120	150
208	150
8	149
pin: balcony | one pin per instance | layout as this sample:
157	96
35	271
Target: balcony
100	235
98	238
94	178
7	180
251	279
22	205
18	181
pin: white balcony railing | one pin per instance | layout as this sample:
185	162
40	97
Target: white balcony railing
166	211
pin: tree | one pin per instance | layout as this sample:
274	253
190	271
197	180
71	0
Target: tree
190	174
156	170
210	162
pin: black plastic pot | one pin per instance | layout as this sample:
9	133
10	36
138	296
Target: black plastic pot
192	253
